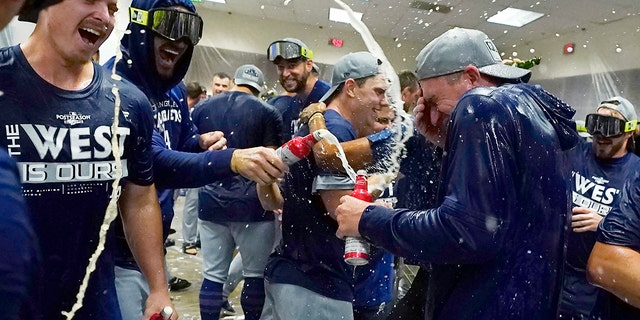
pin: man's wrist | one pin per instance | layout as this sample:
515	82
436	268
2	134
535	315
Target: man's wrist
317	114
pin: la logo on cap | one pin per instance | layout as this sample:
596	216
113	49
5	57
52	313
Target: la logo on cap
493	50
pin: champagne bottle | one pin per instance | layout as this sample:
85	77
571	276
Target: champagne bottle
298	148
356	249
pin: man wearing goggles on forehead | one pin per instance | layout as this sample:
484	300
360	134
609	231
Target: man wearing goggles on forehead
613	126
599	170
156	56
294	61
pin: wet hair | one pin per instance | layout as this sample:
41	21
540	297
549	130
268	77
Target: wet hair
408	79
194	90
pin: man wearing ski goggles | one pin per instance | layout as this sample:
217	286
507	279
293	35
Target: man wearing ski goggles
599	170
168	23
613	127
288	49
610	125
294	62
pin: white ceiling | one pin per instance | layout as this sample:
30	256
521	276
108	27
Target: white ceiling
397	19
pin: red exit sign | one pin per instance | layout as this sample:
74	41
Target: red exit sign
336	42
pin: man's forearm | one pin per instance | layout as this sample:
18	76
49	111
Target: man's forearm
617	270
270	196
142	222
358	151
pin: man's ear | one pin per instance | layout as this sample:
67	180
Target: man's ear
349	87
405	94
308	65
473	74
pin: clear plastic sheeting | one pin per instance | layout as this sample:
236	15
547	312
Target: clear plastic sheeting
581	92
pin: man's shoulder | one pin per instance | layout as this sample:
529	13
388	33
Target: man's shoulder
634	160
125	88
251	102
322	85
319	89
281	102
12	60
339	126
506	99
7	54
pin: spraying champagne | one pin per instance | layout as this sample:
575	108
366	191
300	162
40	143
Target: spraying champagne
298	148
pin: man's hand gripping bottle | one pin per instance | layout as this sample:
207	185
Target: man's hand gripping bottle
356	250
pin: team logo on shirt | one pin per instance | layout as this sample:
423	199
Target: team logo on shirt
61	154
600	180
593	193
73	118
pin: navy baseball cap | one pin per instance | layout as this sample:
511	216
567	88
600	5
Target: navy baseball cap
457	48
355	65
31	9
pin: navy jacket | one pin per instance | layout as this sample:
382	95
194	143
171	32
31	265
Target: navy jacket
178	160
496	242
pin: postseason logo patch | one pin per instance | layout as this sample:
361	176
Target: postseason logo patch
73	118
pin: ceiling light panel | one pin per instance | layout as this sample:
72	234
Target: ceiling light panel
339	15
514	17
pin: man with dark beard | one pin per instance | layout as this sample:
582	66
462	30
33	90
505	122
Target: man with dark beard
294	61
599	169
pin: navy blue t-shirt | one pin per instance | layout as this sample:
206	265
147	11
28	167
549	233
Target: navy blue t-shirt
621	227
310	255
282	103
61	141
420	169
595	184
372	283
246	122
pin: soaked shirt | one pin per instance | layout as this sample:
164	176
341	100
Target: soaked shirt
595	184
496	242
310	255
60	140
291	111
621	227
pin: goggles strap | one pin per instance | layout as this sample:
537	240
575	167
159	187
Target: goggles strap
630	125
139	16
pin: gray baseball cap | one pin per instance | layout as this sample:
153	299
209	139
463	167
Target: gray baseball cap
355	65
250	75
457	48
622	105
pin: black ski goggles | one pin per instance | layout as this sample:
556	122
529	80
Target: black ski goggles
608	126
287	50
170	24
